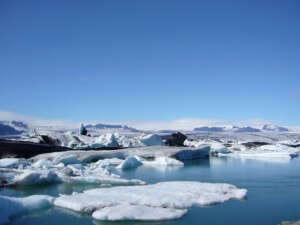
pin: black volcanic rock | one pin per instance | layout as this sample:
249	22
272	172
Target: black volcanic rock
209	129
8	130
176	139
22	149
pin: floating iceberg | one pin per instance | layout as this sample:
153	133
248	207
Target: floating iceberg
129	163
36	177
161	199
10	206
151	139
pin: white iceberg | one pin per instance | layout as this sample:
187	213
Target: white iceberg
10	206
129	163
151	139
35	177
175	195
43	163
66	159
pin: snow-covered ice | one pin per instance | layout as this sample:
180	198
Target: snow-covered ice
11	206
167	196
12	162
128	211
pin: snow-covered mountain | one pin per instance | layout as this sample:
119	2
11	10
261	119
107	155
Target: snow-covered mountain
270	127
228	129
12	127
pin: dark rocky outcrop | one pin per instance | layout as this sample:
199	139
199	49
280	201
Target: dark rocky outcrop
21	149
176	139
255	144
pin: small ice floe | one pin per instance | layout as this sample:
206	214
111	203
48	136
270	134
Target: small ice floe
161	201
10	206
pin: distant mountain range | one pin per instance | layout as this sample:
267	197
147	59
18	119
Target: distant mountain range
109	126
18	127
12	127
266	127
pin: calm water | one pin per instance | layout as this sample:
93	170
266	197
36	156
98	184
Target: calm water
273	193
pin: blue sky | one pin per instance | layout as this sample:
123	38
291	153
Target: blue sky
151	59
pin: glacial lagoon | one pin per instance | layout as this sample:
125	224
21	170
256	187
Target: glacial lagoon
273	193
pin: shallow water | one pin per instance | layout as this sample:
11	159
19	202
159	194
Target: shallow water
273	193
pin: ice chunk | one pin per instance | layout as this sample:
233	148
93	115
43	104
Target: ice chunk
36	177
218	148
137	212
164	195
151	139
43	163
164	161
129	163
10	206
106	140
12	162
66	159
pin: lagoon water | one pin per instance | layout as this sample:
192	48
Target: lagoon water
273	193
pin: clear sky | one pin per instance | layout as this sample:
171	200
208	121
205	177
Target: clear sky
151	59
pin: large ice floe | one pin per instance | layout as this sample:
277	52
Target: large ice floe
161	201
11	206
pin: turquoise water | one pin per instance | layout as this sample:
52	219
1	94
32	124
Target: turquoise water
273	193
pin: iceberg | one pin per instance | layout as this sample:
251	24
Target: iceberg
161	199
43	163
151	139
66	159
36	177
10	206
129	163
